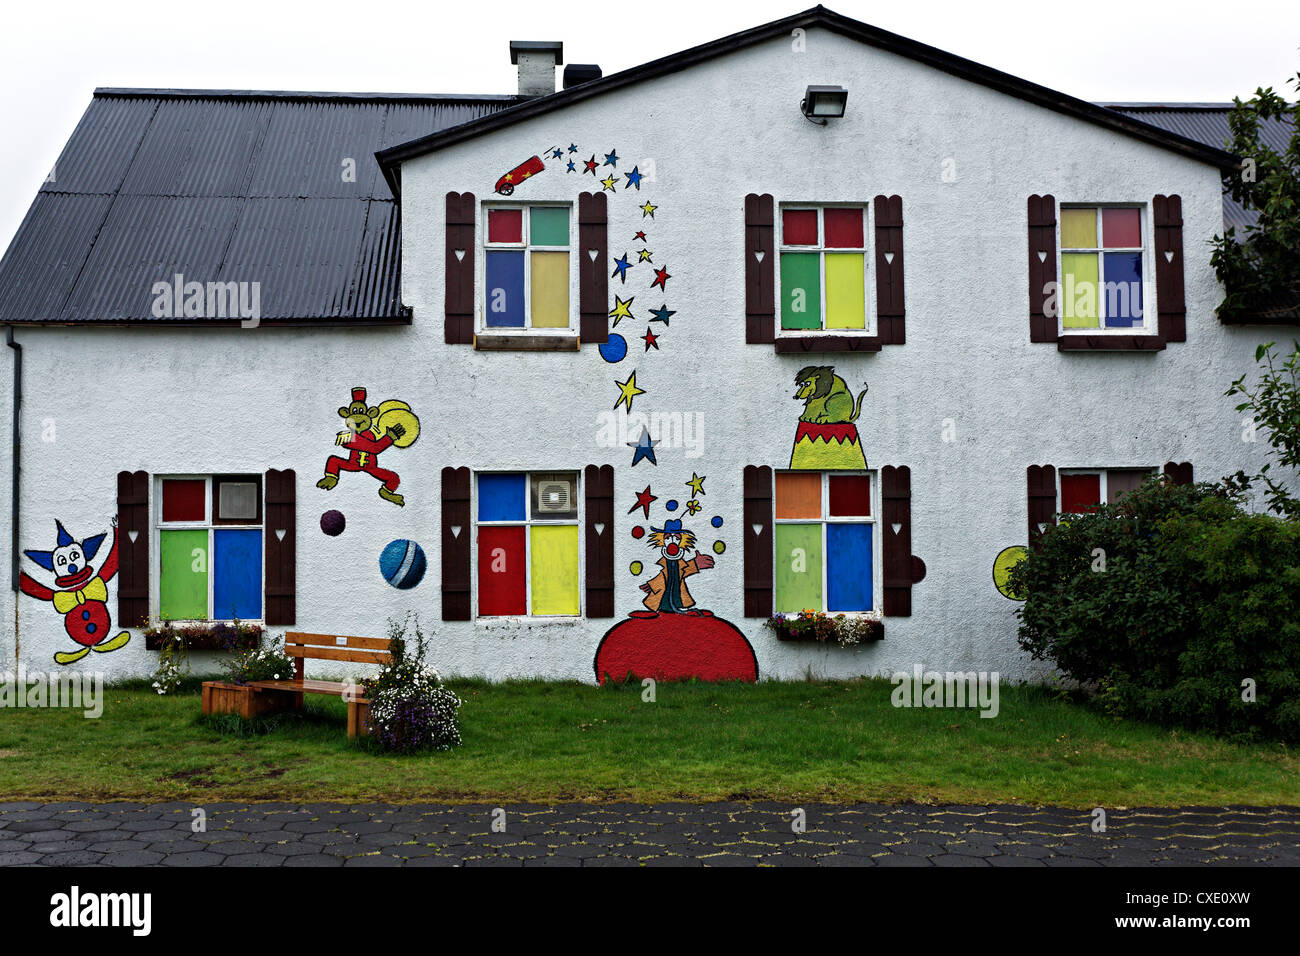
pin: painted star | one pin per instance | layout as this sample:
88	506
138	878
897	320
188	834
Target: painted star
573	147
621	310
643	499
644	255
590	165
557	153
650	339
572	168
696	485
628	391
634	179
661	279
608	182
645	448
692	507
640	235
611	159
662	314
648	210
620	269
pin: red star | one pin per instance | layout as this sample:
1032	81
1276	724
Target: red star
643	499
661	279
590	165
640	235
650	339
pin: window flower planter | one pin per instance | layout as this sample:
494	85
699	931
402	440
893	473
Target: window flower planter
817	627
217	636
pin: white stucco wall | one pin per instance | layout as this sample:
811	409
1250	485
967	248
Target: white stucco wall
175	401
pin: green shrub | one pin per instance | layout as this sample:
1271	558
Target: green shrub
1166	601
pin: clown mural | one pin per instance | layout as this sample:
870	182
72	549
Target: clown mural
81	595
666	592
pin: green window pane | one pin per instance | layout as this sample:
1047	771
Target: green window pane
798	570
549	226
1078	228
846	299
183	575
801	290
1079	290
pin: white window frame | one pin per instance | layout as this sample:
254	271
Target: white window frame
158	526
1147	327
579	520
868	233
877	571
528	249
1104	484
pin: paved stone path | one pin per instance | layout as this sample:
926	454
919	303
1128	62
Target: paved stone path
719	834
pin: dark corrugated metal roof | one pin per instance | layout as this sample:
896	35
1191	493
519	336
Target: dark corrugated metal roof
222	186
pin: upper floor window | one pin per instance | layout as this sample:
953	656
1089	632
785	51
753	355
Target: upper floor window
527	268
1102	269
823	269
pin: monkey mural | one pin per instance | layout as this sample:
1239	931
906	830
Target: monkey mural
666	592
827	439
371	430
82	594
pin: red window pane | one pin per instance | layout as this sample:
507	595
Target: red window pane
1121	228
799	227
1080	493
183	499
505	225
501	571
844	229
850	496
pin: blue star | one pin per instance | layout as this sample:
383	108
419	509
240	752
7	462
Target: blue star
662	314
634	179
620	269
572	168
557	153
611	159
645	448
573	148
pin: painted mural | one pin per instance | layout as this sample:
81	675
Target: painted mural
827	438
1007	559
79	594
371	430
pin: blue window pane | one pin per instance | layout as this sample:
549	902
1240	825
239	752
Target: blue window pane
237	574
501	497
504	302
848	567
1122	291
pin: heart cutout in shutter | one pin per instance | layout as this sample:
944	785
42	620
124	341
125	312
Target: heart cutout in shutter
1042	256
1042	526
455	531
593	253
460	255
758	528
1169	256
133	534
758	254
897	526
600	527
279	534
889	258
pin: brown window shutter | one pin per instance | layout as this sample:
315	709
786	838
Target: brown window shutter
760	266
455	544
1042	267
593	280
758	541
901	568
600	541
132	556
1167	212
280	497
1042	500
459	327
1179	473
889	269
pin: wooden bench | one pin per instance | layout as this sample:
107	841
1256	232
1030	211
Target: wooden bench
327	647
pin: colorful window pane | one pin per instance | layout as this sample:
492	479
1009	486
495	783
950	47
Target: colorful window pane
184	499
555	569
237	573
799	227
502	567
801	290
798	494
183	575
505	289
502	497
843	229
798	570
846	299
506	225
848	567
1120	481
1078	228
1080	493
1102	288
1079	290
1121	228
548	225
850	496
1123	289
823	287
549	296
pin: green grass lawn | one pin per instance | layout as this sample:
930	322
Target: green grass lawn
545	742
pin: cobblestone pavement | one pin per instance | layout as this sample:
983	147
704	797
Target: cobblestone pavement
717	834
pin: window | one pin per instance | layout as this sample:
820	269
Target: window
1082	491
824	269
1101	268
528	544
527	268
209	562
824	541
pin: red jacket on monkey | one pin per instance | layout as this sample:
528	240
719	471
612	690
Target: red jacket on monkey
82	594
370	431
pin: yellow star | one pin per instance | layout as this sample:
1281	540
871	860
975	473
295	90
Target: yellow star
697	484
608	183
628	392
648	209
645	256
621	310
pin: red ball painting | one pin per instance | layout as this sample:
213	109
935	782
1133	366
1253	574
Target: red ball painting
675	647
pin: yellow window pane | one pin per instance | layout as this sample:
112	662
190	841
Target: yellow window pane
1078	228
550	290
554	561
798	495
1079	290
846	301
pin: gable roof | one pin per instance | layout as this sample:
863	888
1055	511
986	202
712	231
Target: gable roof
391	159
223	186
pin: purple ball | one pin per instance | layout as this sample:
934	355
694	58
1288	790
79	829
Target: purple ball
332	523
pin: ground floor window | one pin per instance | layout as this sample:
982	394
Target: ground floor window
825	542
1082	490
529	546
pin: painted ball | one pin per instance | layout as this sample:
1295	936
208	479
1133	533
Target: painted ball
635	567
672	505
717	521
638	532
719	547
402	564
615	349
332	523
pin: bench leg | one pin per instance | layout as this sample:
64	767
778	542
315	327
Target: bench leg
358	719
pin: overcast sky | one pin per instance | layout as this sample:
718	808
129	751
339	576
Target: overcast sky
53	54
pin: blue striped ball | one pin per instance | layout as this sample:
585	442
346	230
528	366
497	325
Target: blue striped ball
402	564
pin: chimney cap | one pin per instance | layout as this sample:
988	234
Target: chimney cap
537	46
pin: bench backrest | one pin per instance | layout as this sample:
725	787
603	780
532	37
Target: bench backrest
332	647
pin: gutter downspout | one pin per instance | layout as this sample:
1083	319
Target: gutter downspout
15	465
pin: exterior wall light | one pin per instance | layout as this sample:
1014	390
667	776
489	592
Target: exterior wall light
821	103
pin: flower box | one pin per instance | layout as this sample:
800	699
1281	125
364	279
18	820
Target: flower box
220	697
218	636
816	627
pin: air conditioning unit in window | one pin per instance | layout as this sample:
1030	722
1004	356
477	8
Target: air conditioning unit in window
555	496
